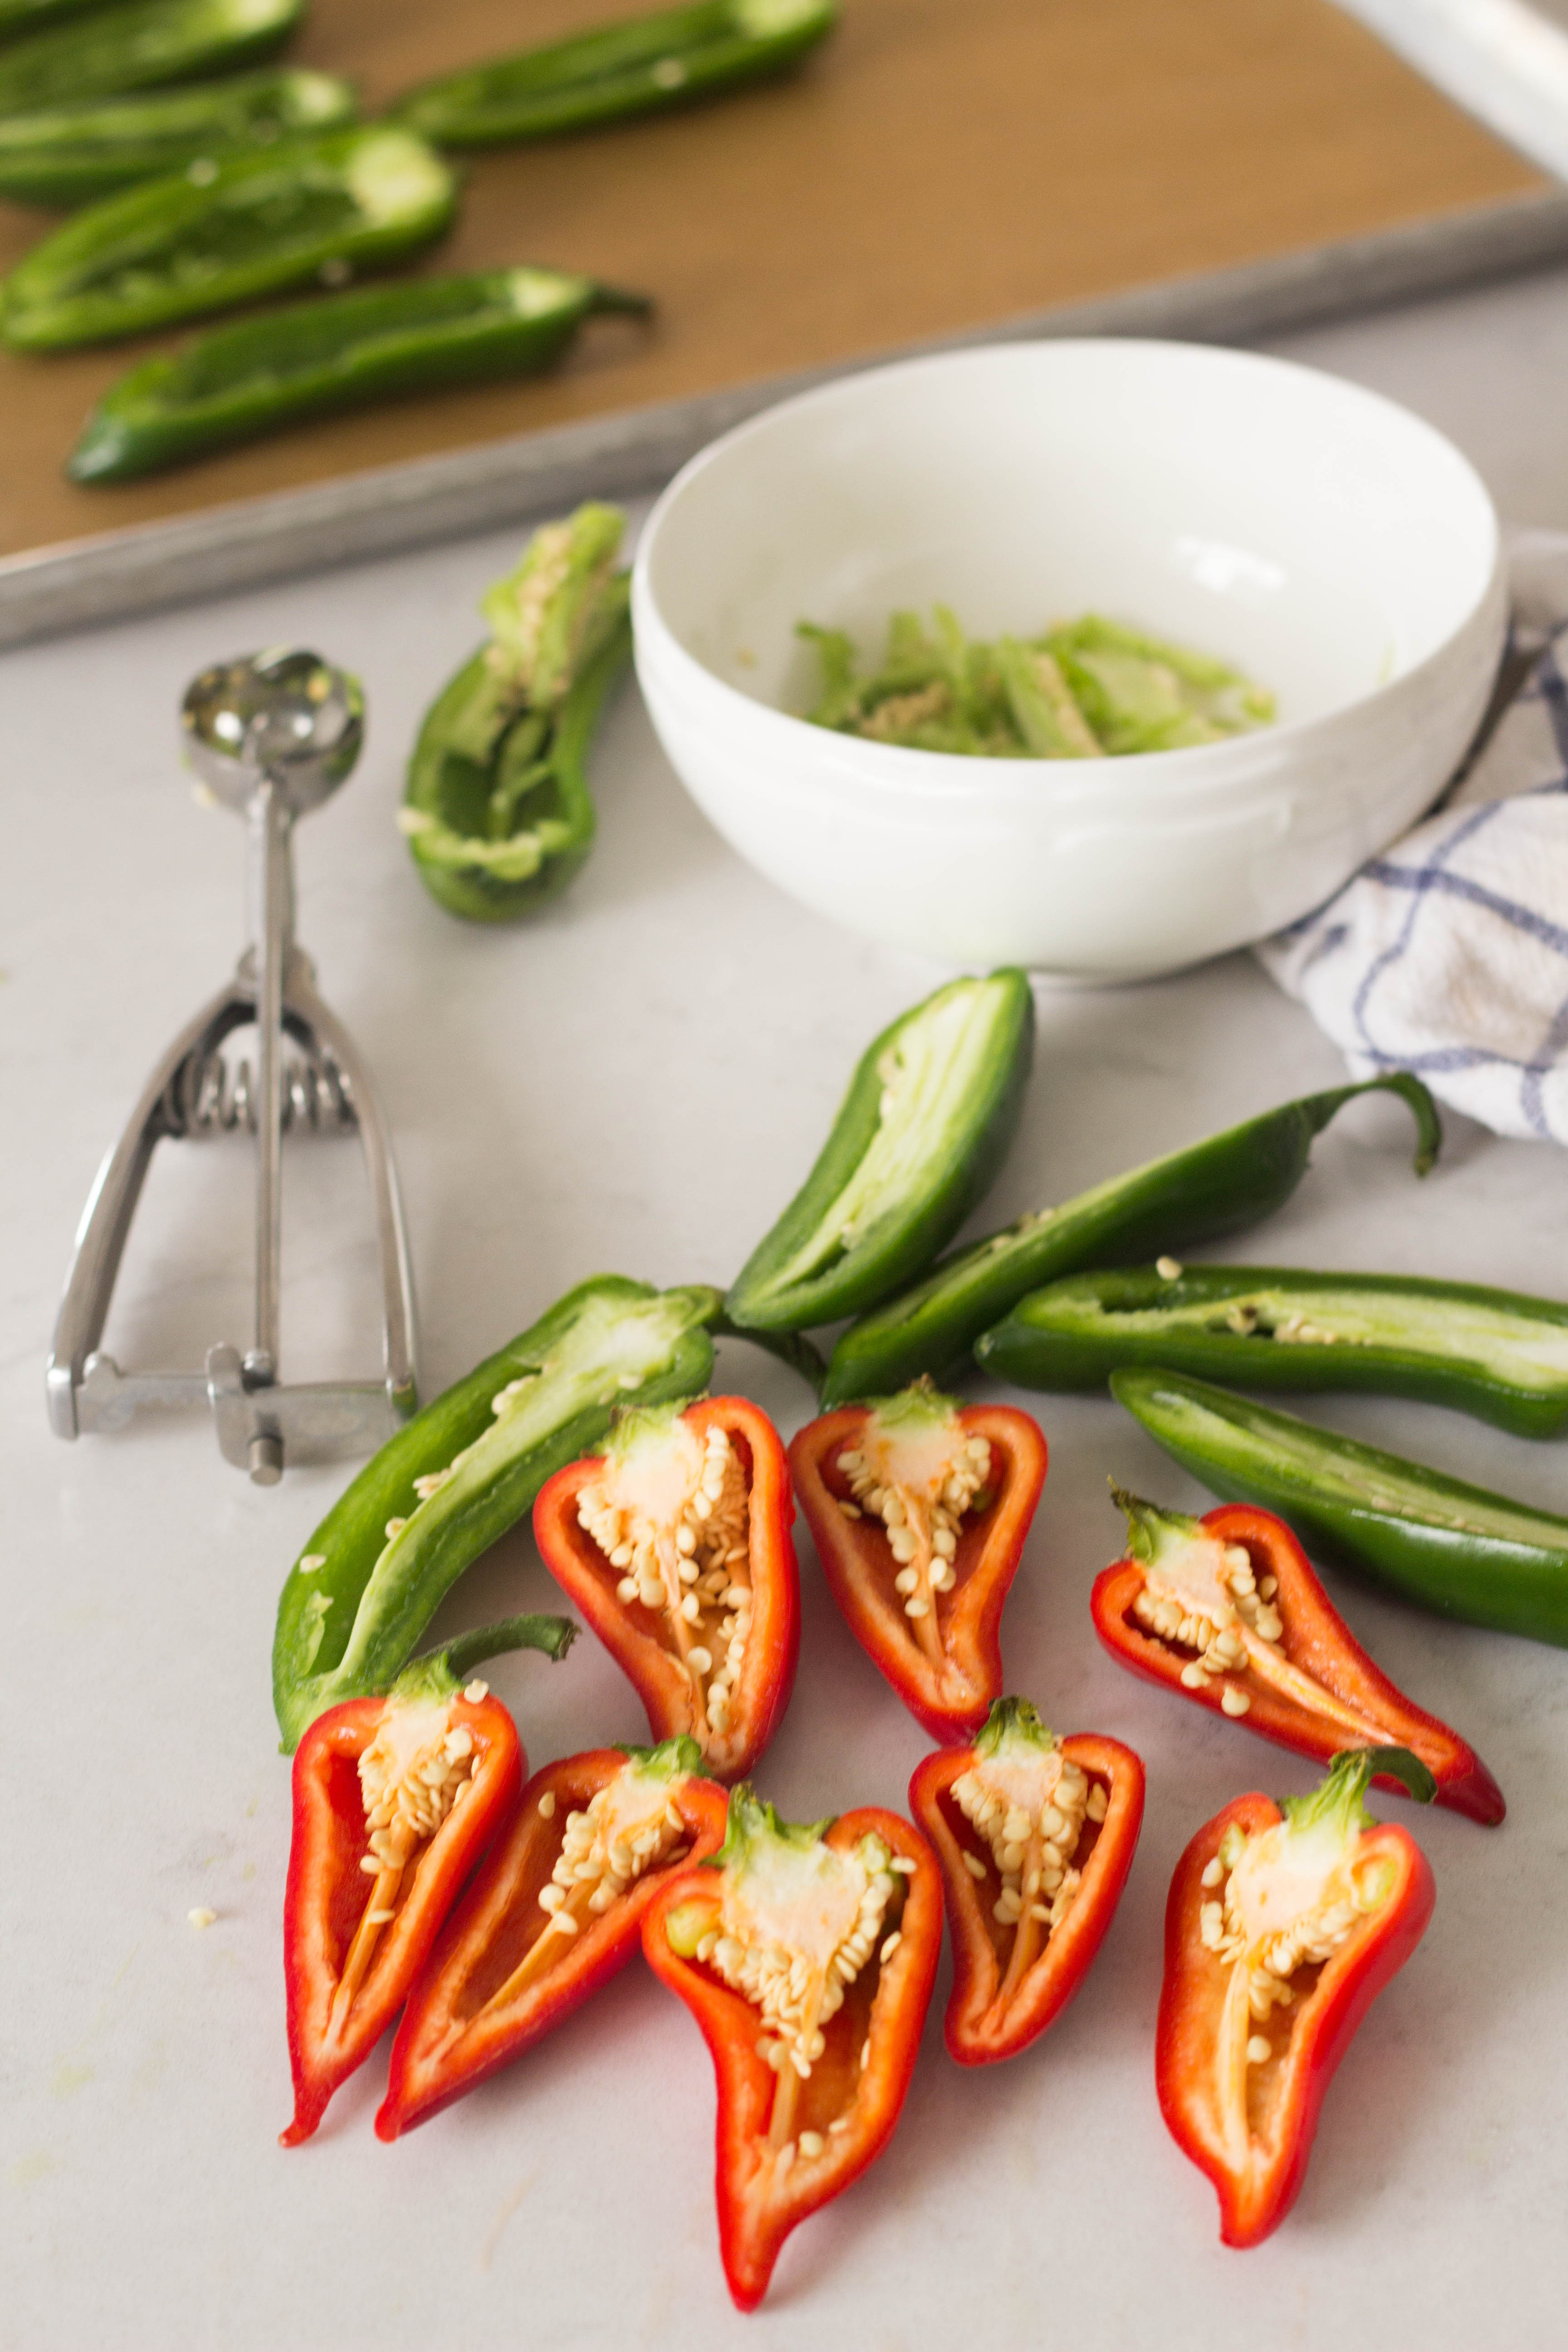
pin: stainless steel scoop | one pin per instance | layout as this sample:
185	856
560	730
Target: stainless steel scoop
272	737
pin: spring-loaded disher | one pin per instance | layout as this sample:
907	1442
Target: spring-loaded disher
271	736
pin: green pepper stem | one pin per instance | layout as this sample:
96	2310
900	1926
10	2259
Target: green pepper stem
620	298
1149	1528
553	1635
1013	1721
755	1823
1320	1109
791	1347
672	1759
1339	1801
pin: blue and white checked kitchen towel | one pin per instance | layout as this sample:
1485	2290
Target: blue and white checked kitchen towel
1448	954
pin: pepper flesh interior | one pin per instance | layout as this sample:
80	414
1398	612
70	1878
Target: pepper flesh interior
416	1769
796	1922
1283	1900
1029	1802
553	613
671	1510
928	1073
913	1467
1200	1594
1526	1352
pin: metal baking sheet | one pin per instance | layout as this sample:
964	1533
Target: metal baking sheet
943	171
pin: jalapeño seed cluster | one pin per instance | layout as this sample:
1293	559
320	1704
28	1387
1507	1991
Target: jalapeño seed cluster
1245	1317
798	1990
628	1826
539	579
1309	1938
690	1564
419	1766
922	1524
1216	1624
1032	1842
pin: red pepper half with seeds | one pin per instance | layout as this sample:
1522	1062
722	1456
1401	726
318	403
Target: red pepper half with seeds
554	1911
1226	1611
394	1801
1285	1922
1036	1836
675	1544
806	1954
919	1508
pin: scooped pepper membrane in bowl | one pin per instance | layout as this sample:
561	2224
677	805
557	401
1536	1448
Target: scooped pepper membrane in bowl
1307	534
1086	689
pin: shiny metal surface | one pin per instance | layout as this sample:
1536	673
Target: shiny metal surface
282	719
271	736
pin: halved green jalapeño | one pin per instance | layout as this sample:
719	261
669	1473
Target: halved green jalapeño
465	1469
1446	1546
930	1113
1494	1353
83	150
1229	1180
617	71
238	383
228	230
497	810
144	45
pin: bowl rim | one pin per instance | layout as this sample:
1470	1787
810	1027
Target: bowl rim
904	768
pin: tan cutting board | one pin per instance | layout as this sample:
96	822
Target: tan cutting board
939	165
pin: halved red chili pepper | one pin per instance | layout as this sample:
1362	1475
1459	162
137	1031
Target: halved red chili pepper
1035	1836
1226	1611
394	1800
919	1508
806	1954
1308	1908
554	1911
675	1544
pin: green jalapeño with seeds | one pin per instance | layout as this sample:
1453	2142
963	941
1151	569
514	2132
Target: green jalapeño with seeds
1233	1179
464	1470
1494	1353
497	813
921	1132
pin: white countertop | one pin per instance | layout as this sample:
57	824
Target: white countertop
637	1080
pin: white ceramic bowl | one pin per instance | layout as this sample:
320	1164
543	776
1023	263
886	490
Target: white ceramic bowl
1324	540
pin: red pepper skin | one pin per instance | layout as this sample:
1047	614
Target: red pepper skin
1317	1639
756	2216
495	1925
634	1635
976	2032
860	1568
327	1892
1255	2194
